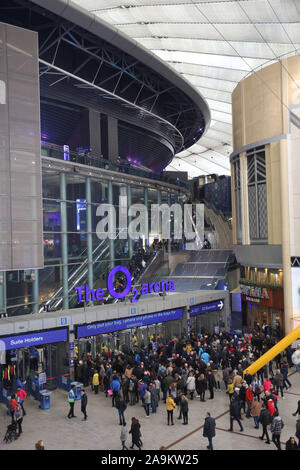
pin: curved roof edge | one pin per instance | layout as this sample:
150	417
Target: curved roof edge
73	12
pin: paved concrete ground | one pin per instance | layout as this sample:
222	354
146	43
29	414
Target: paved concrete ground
102	431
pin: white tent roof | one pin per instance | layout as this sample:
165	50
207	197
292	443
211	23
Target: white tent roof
214	44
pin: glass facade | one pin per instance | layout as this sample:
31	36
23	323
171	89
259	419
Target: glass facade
74	255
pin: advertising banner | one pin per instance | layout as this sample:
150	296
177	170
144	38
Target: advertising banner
127	323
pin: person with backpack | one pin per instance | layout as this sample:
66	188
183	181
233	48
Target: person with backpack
276	428
265	419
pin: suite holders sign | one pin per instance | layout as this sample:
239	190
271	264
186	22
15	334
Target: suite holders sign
33	339
127	323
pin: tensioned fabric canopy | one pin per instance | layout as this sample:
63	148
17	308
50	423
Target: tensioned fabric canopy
214	45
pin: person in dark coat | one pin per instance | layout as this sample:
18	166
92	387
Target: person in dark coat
235	414
297	412
184	409
121	407
211	382
265	419
209	430
84	401
201	386
135	432
85	374
298	430
291	444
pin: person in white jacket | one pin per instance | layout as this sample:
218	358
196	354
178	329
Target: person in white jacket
296	358
123	436
190	385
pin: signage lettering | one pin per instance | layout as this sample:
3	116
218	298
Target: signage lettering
33	339
255	292
201	309
128	323
84	293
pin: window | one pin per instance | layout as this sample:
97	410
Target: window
238	202
257	195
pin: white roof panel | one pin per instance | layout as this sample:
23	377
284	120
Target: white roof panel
214	44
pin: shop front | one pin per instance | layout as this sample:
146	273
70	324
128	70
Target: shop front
35	358
126	333
263	305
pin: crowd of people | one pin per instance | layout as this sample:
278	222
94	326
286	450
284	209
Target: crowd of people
183	369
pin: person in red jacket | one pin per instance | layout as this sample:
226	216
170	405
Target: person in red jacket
249	400
267	384
271	407
21	395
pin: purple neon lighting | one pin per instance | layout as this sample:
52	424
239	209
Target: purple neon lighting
110	280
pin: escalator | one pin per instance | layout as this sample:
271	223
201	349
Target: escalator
78	275
221	225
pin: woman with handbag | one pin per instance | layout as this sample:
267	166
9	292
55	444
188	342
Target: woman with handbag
135	432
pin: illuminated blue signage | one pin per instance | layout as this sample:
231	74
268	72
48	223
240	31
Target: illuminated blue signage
206	308
84	293
94	329
33	339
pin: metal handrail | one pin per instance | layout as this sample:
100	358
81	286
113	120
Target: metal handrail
76	273
100	162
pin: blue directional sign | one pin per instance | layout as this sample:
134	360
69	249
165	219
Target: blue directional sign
201	309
